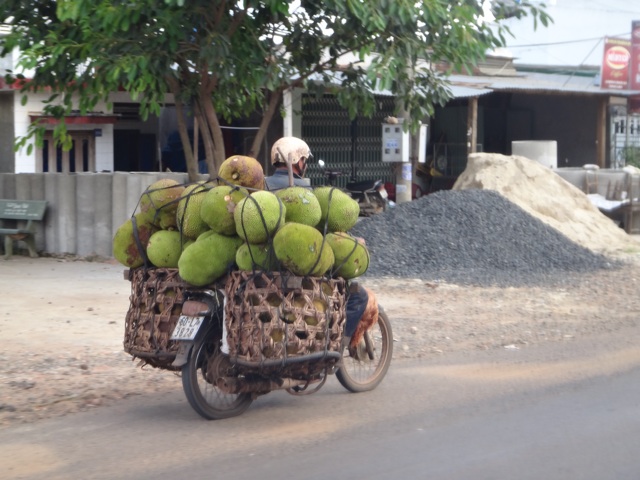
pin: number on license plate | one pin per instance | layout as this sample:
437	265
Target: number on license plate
186	328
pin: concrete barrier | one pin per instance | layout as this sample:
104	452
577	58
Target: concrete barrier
608	182
576	176
84	209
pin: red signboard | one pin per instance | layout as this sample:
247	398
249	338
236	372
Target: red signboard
634	80
615	64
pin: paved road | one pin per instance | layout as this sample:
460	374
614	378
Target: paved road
537	413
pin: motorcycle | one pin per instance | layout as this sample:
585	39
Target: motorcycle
224	339
371	195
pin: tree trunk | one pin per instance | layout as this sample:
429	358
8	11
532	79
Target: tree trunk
192	165
207	139
216	133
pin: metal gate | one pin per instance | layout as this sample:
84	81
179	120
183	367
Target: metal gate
353	147
625	138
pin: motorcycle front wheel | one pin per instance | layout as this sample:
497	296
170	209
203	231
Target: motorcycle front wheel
206	363
365	365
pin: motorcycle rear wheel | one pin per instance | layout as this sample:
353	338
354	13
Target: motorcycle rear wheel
205	398
364	366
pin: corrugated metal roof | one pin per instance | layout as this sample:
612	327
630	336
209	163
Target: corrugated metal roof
460	91
457	91
464	86
543	83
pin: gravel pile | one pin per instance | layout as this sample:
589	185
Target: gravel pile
472	237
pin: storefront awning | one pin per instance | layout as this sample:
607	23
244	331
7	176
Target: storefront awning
88	119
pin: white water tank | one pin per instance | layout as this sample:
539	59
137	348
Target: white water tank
544	152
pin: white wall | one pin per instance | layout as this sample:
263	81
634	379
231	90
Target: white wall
26	163
104	149
292	104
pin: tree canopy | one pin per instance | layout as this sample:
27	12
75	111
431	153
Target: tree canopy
227	59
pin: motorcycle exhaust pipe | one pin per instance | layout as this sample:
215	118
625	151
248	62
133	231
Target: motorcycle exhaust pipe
234	385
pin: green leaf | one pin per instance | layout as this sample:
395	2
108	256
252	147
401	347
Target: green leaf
231	56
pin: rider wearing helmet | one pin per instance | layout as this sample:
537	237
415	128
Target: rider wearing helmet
293	151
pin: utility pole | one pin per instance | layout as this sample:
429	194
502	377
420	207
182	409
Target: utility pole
472	125
404	170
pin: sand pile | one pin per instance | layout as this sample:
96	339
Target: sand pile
545	195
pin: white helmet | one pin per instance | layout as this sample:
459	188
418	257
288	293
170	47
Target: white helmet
290	150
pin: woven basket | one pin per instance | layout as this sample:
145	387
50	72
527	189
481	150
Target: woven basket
157	295
278	318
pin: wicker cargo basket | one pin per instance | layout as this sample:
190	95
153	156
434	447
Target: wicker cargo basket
276	319
157	295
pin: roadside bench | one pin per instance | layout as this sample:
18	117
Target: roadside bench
13	214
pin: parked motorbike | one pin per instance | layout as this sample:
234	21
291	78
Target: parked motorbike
371	195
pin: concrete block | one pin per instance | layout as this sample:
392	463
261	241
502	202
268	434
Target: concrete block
51	182
85	208
102	208
67	217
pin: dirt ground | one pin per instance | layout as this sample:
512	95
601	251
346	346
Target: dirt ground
62	326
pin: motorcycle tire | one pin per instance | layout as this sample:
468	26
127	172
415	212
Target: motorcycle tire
205	398
365	365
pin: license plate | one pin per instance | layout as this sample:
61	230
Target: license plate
186	328
383	193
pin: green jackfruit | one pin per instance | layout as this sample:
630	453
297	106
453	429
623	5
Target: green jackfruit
164	248
259	257
160	202
302	205
301	249
206	260
339	211
258	216
242	170
218	206
188	213
125	246
351	256
204	235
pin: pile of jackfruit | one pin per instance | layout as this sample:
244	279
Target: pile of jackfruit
209	228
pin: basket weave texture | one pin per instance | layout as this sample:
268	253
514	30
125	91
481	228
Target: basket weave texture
275	316
157	295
